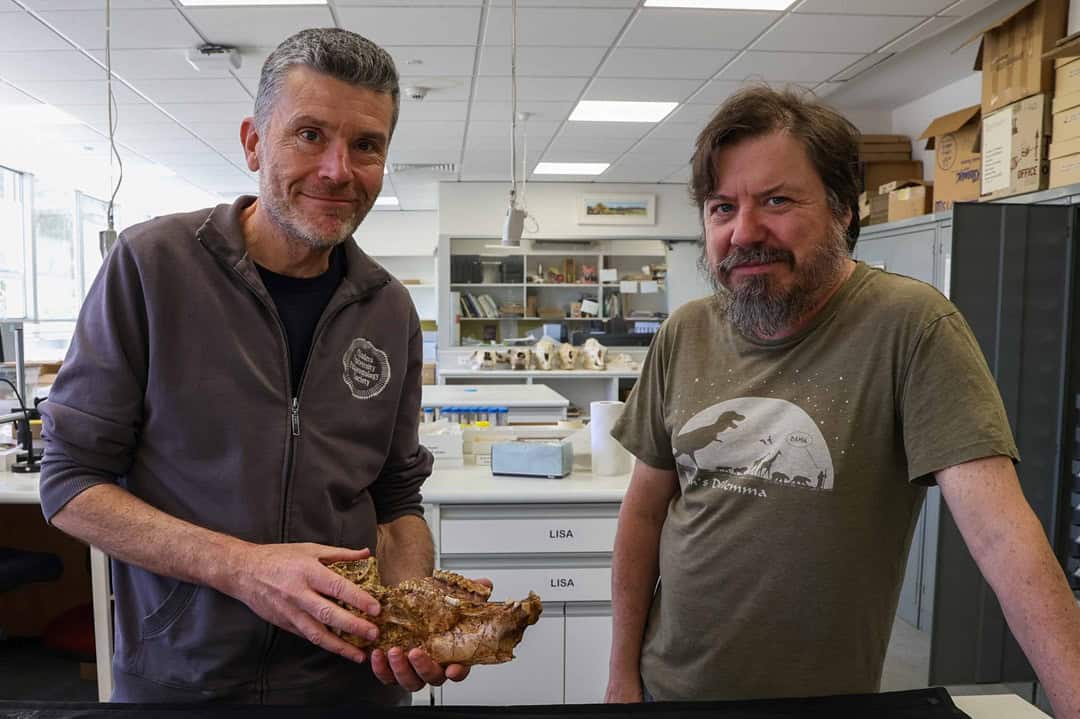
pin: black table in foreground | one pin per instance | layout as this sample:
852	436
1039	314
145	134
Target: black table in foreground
933	703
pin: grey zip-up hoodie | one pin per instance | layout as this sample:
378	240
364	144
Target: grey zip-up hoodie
176	387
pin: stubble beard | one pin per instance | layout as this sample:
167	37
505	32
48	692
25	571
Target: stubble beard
287	219
758	308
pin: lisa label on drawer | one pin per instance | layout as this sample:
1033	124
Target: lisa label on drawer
561	583
561	533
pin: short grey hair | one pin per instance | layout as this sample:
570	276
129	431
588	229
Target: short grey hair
341	54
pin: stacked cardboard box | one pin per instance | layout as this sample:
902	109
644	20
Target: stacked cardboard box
884	158
1065	148
873	208
1016	83
954	138
908	198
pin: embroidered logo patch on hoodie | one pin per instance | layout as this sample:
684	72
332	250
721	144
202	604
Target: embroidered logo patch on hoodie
367	369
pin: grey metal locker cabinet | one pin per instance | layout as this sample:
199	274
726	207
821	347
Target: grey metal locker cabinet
1013	274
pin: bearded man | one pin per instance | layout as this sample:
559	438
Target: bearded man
239	407
785	430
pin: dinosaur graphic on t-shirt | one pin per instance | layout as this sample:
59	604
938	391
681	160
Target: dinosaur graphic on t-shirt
692	441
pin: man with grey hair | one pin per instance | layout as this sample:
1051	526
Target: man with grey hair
785	430
239	408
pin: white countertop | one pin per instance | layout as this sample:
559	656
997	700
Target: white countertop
998	706
503	395
609	373
474	484
19	488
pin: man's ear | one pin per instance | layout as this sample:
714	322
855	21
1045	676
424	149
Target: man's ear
249	138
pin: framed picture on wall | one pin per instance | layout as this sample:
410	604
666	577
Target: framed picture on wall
616	209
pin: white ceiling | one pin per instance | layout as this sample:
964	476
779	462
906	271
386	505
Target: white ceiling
53	51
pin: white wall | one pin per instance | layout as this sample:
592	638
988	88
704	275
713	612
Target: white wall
392	232
914	117
478	209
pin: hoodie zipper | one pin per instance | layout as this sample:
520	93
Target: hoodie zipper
294	421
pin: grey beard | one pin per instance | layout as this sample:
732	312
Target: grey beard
279	216
759	311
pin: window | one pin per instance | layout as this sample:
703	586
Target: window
92	217
58	284
13	245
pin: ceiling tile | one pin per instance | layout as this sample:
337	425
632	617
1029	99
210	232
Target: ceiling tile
969	7
97	115
788	66
583	149
664	63
195	91
429	134
390	26
675	149
10	96
861	66
217	132
436	89
568	3
632	130
432	109
541	111
875	7
419	196
834	33
581	27
131	29
165	64
682	131
501	130
8	6
84	92
715	93
612	88
681	176
20	32
135	132
53	66
647	172
927	30
405	155
51	5
209	111
827	88
239	26
542	61
543	89
173	145
709	29
175	159
398	3
695	114
438	61
535	141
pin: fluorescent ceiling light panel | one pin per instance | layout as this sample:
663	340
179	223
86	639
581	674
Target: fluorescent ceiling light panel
571	168
621	111
723	4
386	201
228	3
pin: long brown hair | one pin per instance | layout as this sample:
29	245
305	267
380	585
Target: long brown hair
831	142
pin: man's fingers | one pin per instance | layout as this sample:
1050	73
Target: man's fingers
404	673
426	668
329	555
380	666
456	672
321	637
330	614
331	584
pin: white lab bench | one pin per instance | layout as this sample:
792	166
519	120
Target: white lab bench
524	534
527	403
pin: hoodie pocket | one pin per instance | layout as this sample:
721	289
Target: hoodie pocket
357	526
177	600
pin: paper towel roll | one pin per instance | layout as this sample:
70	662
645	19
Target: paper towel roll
608	456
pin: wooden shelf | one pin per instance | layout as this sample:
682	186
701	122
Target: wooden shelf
488	284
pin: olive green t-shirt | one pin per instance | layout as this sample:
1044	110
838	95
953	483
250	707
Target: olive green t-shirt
802	464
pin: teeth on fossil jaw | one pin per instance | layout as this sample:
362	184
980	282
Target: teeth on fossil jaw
452	601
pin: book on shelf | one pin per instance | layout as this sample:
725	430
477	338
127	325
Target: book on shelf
478	306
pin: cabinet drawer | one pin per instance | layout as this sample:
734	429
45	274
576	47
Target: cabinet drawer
527	535
552	584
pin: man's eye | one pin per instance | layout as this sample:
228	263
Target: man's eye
722	208
777	201
310	135
365	145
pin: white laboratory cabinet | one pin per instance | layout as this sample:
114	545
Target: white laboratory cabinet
552	537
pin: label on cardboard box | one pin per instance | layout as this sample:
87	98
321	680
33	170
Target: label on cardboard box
1065	171
1067	124
996	150
1067	76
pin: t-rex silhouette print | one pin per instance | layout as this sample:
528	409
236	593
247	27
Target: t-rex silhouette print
692	441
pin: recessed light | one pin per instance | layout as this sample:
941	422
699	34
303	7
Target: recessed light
723	4
621	111
386	201
228	3
571	168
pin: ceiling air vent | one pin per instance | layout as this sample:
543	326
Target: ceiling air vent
423	168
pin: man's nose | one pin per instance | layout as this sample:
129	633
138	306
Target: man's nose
335	167
747	228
